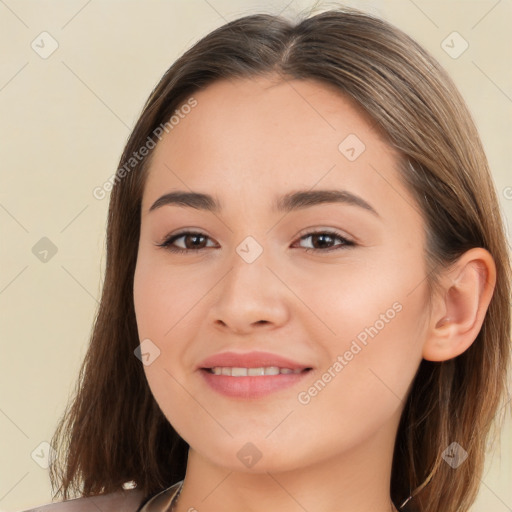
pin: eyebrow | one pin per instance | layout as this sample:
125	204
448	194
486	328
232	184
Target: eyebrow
289	202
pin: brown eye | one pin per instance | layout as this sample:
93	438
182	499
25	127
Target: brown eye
193	241
322	241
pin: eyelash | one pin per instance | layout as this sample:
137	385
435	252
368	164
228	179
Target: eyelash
166	244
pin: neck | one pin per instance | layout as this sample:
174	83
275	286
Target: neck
354	481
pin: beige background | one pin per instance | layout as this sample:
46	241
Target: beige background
64	122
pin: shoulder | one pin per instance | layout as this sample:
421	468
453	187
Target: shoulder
128	500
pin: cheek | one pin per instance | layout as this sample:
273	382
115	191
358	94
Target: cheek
162	297
366	378
159	305
166	302
362	295
375	353
374	317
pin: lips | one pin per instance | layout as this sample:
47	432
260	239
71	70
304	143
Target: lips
250	360
251	375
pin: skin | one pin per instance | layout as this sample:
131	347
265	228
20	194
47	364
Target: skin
246	142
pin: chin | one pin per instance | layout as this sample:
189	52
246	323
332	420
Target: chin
258	457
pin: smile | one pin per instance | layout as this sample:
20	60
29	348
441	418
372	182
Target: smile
252	383
234	371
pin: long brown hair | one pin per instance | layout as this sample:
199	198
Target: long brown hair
114	432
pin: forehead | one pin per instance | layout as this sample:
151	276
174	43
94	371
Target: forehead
266	132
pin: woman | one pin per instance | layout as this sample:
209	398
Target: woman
239	363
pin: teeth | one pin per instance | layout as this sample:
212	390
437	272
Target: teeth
251	372
236	372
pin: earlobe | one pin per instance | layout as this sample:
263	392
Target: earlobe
460	308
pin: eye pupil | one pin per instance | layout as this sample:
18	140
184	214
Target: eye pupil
195	237
323	236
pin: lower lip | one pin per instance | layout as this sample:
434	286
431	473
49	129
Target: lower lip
251	387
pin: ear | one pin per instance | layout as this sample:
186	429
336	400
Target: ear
459	308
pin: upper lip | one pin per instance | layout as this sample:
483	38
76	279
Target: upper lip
254	359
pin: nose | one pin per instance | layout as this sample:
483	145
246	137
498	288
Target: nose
250	297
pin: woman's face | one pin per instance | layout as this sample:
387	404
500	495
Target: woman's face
332	280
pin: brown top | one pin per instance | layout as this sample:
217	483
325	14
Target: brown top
161	502
126	500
